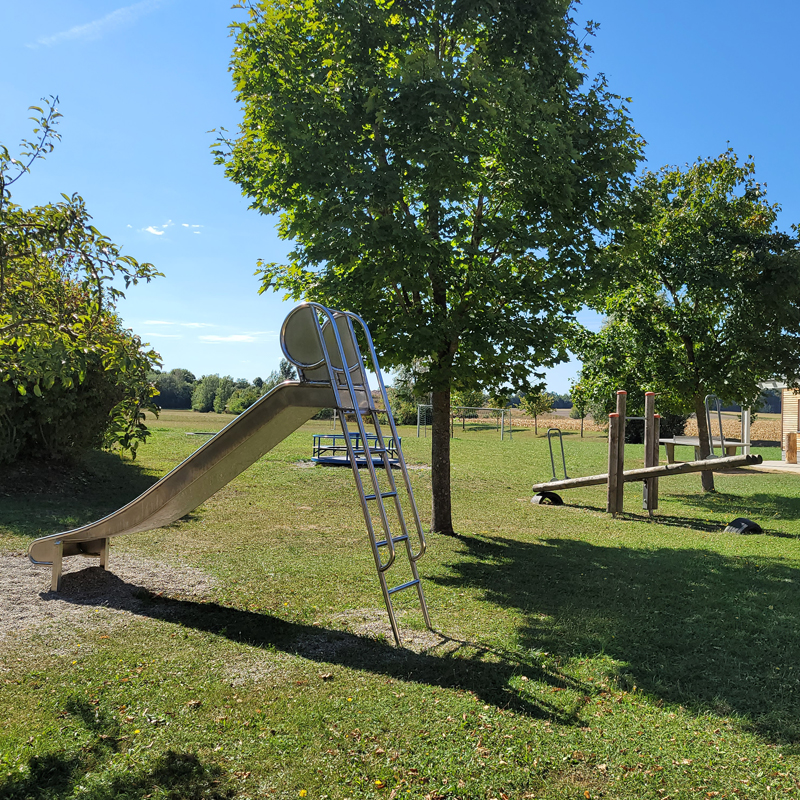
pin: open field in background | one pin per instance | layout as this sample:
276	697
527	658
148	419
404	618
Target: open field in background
765	427
243	652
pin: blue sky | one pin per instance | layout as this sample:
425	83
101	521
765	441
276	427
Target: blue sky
142	85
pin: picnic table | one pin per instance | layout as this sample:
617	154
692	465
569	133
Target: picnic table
730	446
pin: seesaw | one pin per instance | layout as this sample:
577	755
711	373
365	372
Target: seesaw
617	477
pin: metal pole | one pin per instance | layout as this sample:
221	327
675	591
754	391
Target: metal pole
745	431
417	420
502	425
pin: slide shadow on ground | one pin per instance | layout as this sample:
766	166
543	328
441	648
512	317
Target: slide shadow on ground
446	663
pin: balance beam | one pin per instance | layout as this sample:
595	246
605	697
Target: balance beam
665	470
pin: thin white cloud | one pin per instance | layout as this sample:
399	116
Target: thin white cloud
165	335
182	324
236	337
158	230
98	28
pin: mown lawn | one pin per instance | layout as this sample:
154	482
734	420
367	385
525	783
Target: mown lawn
575	656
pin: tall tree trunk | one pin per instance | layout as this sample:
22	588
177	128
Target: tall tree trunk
441	516
707	477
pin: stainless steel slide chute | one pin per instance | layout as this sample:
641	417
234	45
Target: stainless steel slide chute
324	346
236	447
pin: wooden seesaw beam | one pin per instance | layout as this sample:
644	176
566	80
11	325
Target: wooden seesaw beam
665	470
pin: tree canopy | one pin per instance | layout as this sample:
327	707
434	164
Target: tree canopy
704	296
444	168
71	375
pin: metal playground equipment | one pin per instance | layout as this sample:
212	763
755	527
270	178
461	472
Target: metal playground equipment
323	345
499	418
616	476
331	448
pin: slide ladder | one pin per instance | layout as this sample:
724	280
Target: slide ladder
387	501
324	345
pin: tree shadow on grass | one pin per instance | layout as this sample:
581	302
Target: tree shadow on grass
448	663
714	633
730	506
178	776
766	505
40	499
670	520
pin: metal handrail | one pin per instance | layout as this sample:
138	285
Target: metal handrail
552	459
714	397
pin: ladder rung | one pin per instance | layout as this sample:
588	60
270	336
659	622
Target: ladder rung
404	586
383	494
395	540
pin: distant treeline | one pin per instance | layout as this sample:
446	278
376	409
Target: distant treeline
769	403
180	389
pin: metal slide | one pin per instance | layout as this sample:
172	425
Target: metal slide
325	347
238	445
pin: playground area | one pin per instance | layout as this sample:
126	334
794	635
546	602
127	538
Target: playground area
570	652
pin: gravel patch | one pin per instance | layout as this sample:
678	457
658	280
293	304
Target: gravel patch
374	624
27	604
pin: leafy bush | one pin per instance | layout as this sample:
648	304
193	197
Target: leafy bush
71	376
671	425
242	399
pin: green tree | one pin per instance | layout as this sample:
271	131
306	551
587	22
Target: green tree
287	371
443	168
225	389
580	402
534	404
205	393
705	294
71	376
175	388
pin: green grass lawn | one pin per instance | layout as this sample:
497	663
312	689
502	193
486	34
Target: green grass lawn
575	655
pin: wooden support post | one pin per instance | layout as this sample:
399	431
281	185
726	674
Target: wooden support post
613	451
622	404
656	460
649	455
791	448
